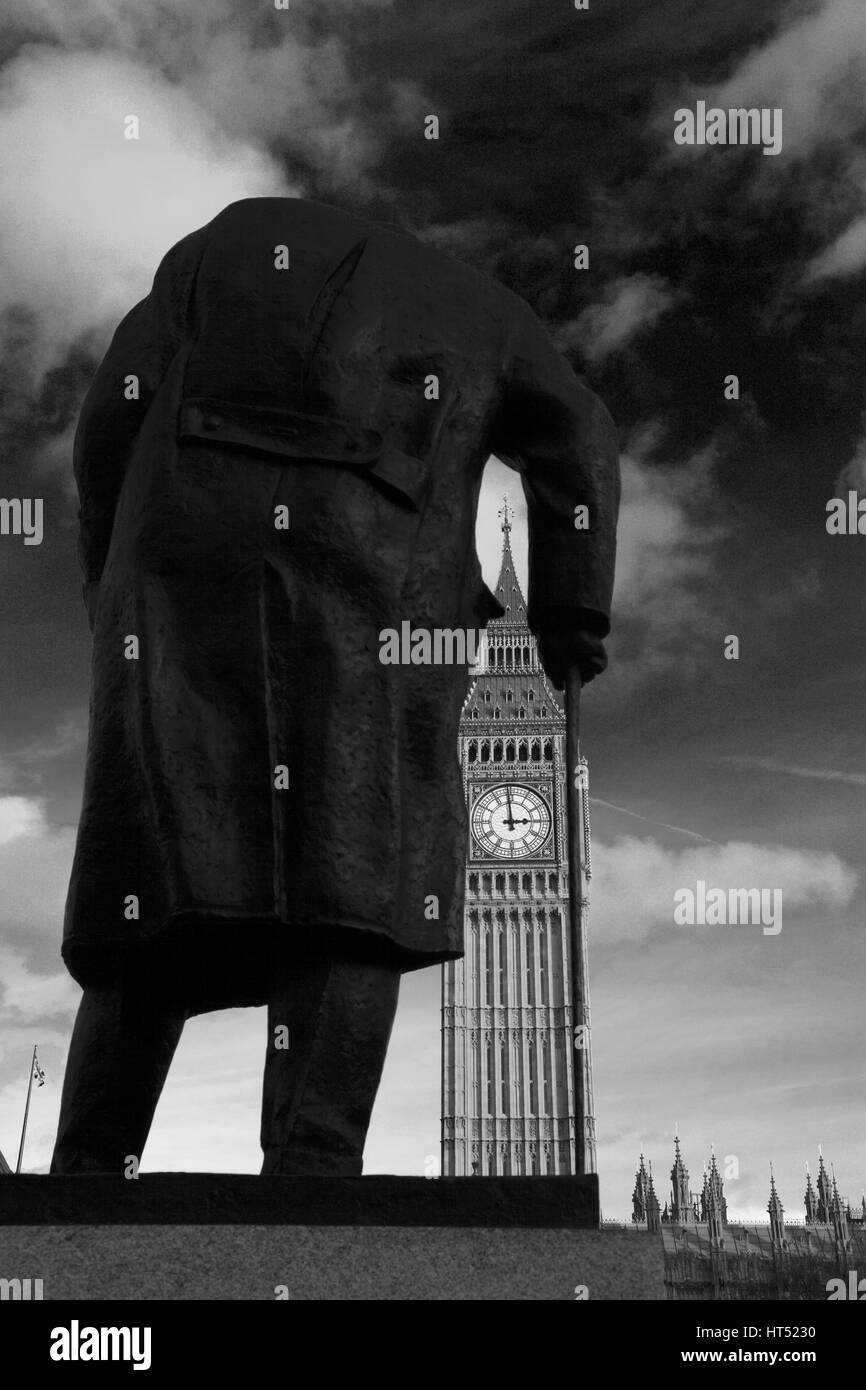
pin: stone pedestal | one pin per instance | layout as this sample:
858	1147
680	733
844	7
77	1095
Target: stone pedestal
213	1236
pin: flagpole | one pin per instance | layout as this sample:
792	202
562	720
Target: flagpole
26	1111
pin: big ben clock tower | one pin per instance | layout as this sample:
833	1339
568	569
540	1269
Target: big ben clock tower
509	1061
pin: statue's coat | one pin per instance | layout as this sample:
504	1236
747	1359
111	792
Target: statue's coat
259	647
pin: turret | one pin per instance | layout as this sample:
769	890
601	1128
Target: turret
715	1204
777	1216
810	1200
639	1196
652	1206
825	1194
839	1219
681	1202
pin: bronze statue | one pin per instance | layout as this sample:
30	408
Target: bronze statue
279	458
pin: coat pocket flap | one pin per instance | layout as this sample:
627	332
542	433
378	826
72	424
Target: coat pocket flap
287	432
294	435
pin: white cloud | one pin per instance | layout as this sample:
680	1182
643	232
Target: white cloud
844	256
673	524
215	89
853	475
632	303
634	881
93	213
19	815
35	860
814	68
26	997
821	774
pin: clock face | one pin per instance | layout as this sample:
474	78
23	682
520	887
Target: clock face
510	822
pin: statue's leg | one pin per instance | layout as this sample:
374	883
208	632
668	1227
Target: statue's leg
336	1015
124	1038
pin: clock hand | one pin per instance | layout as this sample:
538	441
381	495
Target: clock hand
510	821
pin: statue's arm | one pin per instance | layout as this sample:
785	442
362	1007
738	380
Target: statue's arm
562	439
142	348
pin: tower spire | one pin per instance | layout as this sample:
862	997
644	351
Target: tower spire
681	1206
810	1200
825	1194
508	589
777	1214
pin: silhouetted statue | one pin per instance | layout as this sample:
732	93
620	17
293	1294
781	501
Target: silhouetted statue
279	459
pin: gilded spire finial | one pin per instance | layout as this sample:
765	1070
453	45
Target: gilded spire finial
506	512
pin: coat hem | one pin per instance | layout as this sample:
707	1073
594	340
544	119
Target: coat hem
185	943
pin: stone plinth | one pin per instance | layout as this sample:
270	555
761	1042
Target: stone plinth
214	1236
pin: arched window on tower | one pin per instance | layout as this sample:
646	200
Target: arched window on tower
497	751
491	1079
488	968
487	697
473	957
531	694
497	713
545	1079
542	967
503	967
503	1080
533	1090
485	751
473	750
509	751
536	751
548	750
526	656
544	711
529	968
509	695
521	714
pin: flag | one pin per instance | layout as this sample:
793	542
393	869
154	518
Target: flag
38	1073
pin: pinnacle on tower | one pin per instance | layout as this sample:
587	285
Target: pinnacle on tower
652	1205
825	1195
681	1204
508	589
810	1200
640	1194
777	1213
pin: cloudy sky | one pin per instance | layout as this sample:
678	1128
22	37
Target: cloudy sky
556	127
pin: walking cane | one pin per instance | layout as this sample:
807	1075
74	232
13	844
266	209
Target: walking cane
578	903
